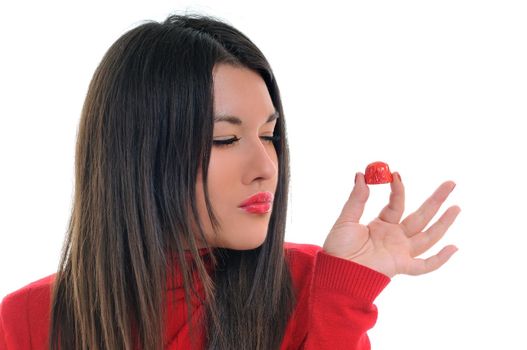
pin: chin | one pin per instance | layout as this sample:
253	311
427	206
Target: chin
244	244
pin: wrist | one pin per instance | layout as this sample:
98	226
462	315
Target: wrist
374	264
368	260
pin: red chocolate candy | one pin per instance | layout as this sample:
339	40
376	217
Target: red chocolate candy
378	173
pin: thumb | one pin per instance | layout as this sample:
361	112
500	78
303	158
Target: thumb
354	206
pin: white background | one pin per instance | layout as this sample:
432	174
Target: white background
437	89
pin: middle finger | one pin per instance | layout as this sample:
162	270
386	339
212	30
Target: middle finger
415	222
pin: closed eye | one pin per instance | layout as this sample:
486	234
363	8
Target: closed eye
231	141
224	143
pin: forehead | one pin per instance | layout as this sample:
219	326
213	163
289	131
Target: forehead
241	93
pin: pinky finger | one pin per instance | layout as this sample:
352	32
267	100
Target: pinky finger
422	266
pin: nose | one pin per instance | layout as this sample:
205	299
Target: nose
261	162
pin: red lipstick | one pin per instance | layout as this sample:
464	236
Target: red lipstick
258	203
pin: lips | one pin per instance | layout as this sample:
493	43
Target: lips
258	198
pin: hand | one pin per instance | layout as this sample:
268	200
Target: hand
385	244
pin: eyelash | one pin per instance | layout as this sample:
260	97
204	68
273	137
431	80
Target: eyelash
229	142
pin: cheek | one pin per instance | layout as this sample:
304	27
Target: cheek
223	174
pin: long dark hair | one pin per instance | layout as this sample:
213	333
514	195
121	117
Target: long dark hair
146	127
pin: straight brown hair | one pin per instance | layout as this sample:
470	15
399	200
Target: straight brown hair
145	128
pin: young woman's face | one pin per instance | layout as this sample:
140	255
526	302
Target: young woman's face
243	168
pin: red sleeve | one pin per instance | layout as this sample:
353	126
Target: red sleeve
24	316
341	304
3	345
14	321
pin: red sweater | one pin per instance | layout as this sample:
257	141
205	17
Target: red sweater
334	306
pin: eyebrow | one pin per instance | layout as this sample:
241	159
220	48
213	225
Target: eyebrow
237	121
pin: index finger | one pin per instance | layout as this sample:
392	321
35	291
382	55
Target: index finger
394	210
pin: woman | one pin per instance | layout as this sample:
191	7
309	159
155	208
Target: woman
176	238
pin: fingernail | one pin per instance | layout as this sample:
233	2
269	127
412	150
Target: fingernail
399	176
356	174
